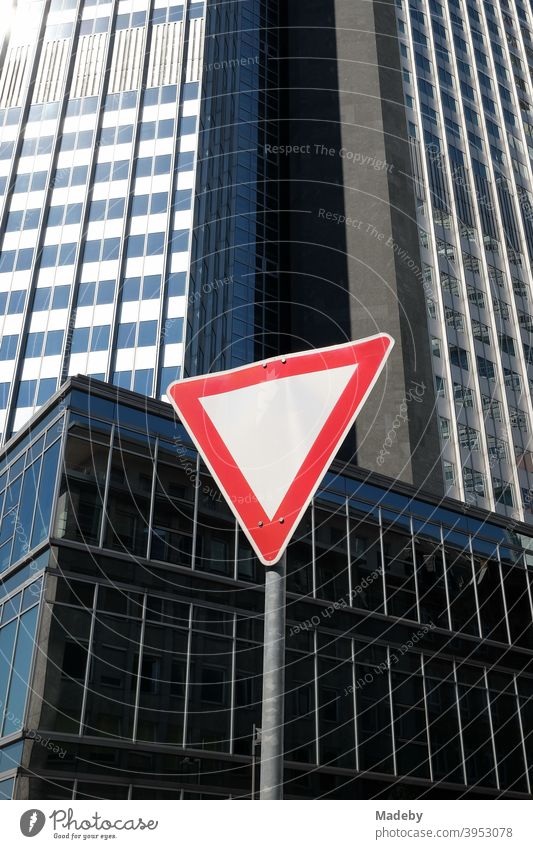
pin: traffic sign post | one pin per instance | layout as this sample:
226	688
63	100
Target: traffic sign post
273	682
268	433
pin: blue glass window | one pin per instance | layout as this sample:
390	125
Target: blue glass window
111	249
147	131
4	394
92	251
106	292
73	214
179	241
188	125
43	507
54	341
102	172
139	205
79	175
24	259
142	381
60	297
125	134
100	338
31	219
107	136
16	302
3	302
7	261
162	164
49	256
135	246
22	183
121	170
185	161
116	208
47	387
67	254
190	91
151	287
173	330
144	166
130	289
8	347
34	344
55	216
167	376
169	94
159	203
155	244
80	340
176	283
165	129
97	211
38	181
14	222
18	687
182	199
147	334
122	379
126	335
26	393
42	299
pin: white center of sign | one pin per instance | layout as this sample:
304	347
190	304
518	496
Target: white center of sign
270	428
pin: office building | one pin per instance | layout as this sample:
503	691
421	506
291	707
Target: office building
187	187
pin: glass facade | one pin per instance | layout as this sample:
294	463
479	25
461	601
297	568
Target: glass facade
467	69
409	629
99	117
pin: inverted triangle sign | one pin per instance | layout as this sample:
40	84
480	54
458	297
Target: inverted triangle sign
269	431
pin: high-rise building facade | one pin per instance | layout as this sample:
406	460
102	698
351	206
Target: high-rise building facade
467	71
190	186
99	109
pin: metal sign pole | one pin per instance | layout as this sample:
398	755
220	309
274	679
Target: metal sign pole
273	682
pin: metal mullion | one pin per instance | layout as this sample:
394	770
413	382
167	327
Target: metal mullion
426	713
105	499
474	584
437	291
89	662
121	262
459	720
32	276
413	549
354	701
139	671
492	738
172	211
445	574
187	680
152	500
391	708
522	735
233	684
507	625
382	552
317	718
505	262
313	548
348	552
195	513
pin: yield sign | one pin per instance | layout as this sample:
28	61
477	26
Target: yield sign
268	431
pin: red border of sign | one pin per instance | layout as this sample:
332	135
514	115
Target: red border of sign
270	539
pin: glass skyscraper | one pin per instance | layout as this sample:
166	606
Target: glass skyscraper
99	110
186	187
